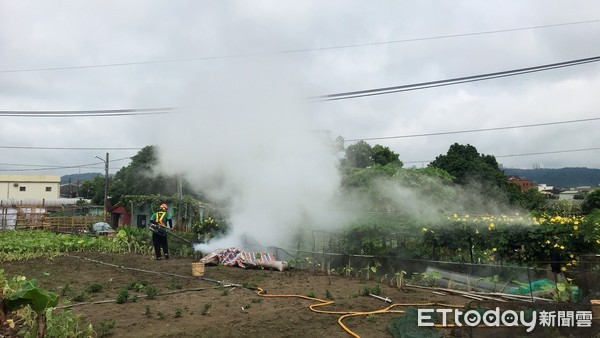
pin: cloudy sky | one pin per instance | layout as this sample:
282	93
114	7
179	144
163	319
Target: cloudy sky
235	70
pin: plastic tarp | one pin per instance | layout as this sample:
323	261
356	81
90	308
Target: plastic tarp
236	257
101	227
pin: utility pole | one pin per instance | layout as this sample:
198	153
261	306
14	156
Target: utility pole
179	197
105	186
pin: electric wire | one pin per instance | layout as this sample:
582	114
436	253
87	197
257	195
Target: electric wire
294	51
47	167
70	148
321	98
449	82
474	130
527	154
87	113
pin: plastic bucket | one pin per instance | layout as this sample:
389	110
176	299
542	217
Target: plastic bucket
198	269
595	308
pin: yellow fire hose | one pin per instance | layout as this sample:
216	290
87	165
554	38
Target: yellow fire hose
345	314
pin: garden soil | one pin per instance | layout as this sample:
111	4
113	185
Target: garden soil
224	302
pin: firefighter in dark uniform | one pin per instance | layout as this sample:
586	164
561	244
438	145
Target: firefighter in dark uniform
161	219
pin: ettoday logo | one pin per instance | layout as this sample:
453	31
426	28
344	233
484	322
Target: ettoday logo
496	317
474	318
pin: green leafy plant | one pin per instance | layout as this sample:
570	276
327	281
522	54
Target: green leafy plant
148	312
80	297
175	285
137	285
398	279
22	292
178	313
311	294
93	288
66	289
151	292
59	323
376	290
207	307
161	315
122	296
106	328
429	278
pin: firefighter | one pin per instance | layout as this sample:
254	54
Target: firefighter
161	219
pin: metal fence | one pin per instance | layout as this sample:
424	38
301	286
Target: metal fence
32	217
527	282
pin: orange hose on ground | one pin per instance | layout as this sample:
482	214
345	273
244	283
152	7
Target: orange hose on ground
346	314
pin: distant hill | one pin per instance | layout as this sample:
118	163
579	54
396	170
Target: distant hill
559	178
81	177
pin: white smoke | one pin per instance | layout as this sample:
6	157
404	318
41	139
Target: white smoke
241	137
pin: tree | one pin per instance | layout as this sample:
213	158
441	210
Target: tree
383	155
93	190
532	199
140	177
467	166
362	155
591	202
359	155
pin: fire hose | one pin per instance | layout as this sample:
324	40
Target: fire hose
163	231
346	314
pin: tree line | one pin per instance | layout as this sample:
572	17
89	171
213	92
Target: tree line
361	167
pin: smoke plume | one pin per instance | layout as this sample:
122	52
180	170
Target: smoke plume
245	140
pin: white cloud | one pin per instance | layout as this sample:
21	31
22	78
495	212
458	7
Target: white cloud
64	33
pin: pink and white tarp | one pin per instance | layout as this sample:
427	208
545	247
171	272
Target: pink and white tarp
236	257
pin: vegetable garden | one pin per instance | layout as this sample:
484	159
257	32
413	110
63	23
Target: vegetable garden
386	251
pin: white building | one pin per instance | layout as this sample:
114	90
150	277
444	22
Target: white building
29	186
544	187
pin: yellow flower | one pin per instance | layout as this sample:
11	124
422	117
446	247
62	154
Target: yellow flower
492	225
424	229
494	249
563	269
555	245
547	241
562	247
575	227
455	216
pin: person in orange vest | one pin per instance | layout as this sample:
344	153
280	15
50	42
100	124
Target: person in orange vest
161	219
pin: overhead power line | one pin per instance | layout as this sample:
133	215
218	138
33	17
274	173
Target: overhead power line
473	130
70	148
328	97
348	140
47	167
294	51
448	82
527	154
87	113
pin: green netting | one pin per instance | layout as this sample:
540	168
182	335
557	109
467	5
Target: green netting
405	326
538	285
